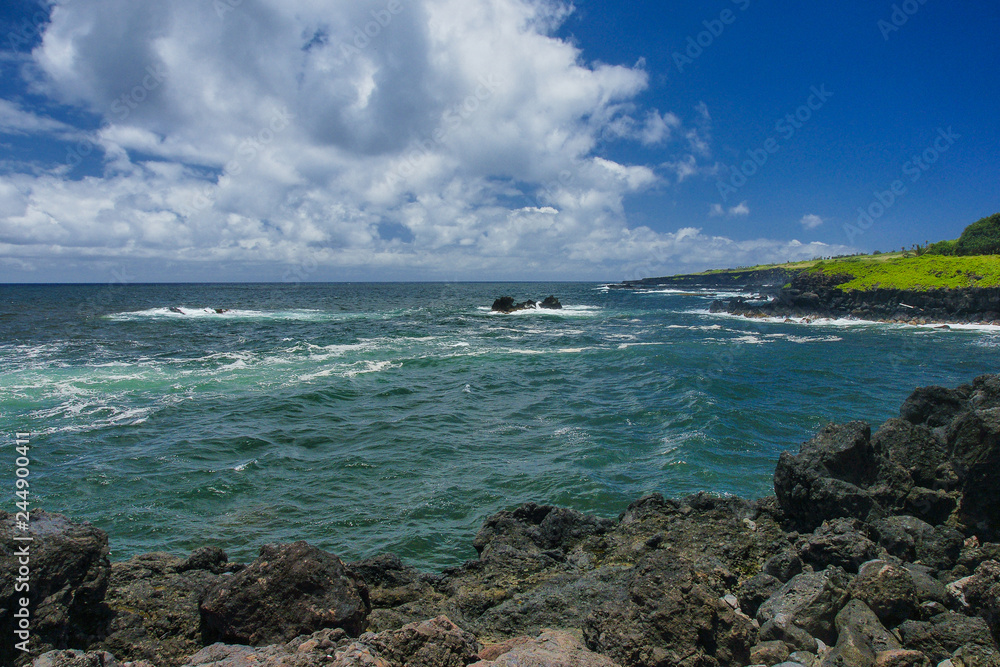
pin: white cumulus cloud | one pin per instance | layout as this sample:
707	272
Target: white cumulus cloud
438	138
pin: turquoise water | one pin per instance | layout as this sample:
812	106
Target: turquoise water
370	418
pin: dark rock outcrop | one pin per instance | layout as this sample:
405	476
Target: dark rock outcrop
809	602
153	605
551	303
291	589
67	575
506	304
812	295
938	464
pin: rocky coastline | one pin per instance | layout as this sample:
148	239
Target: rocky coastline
878	549
817	295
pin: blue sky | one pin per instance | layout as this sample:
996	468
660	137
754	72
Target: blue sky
485	139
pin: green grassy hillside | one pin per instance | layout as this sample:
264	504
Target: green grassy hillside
924	272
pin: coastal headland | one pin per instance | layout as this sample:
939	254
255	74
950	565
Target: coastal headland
877	548
888	288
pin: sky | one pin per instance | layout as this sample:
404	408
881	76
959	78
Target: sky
440	140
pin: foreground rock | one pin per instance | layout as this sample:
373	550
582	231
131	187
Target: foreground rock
289	590
937	462
66	572
153	605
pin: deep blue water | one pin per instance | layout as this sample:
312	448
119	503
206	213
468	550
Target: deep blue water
394	417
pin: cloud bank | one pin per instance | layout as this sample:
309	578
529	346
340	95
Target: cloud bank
426	139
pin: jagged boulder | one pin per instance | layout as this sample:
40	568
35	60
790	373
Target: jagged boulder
888	590
68	572
670	617
153	605
946	633
551	303
841	542
828	478
809	602
938	463
290	590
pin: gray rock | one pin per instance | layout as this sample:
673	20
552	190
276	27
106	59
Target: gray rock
840	542
153	609
972	655
901	658
753	592
784	565
550	649
290	590
212	559
982	594
69	572
944	634
862	621
888	590
76	658
769	653
913	540
670	616
433	643
974	440
810	601
928	588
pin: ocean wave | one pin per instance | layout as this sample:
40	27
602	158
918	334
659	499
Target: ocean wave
851	322
210	313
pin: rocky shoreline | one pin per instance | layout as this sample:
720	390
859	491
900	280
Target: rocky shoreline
877	549
818	296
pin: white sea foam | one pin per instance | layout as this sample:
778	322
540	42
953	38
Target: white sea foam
201	313
851	322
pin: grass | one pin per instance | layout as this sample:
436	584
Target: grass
808	264
916	273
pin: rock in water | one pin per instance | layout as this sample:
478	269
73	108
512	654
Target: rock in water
69	573
290	590
504	304
551	303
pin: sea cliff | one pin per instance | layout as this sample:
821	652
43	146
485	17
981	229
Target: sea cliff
877	548
819	295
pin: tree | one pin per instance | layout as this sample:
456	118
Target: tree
980	238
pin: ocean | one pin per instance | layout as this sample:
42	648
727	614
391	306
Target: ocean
366	418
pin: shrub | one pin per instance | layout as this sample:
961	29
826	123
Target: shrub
942	248
980	238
